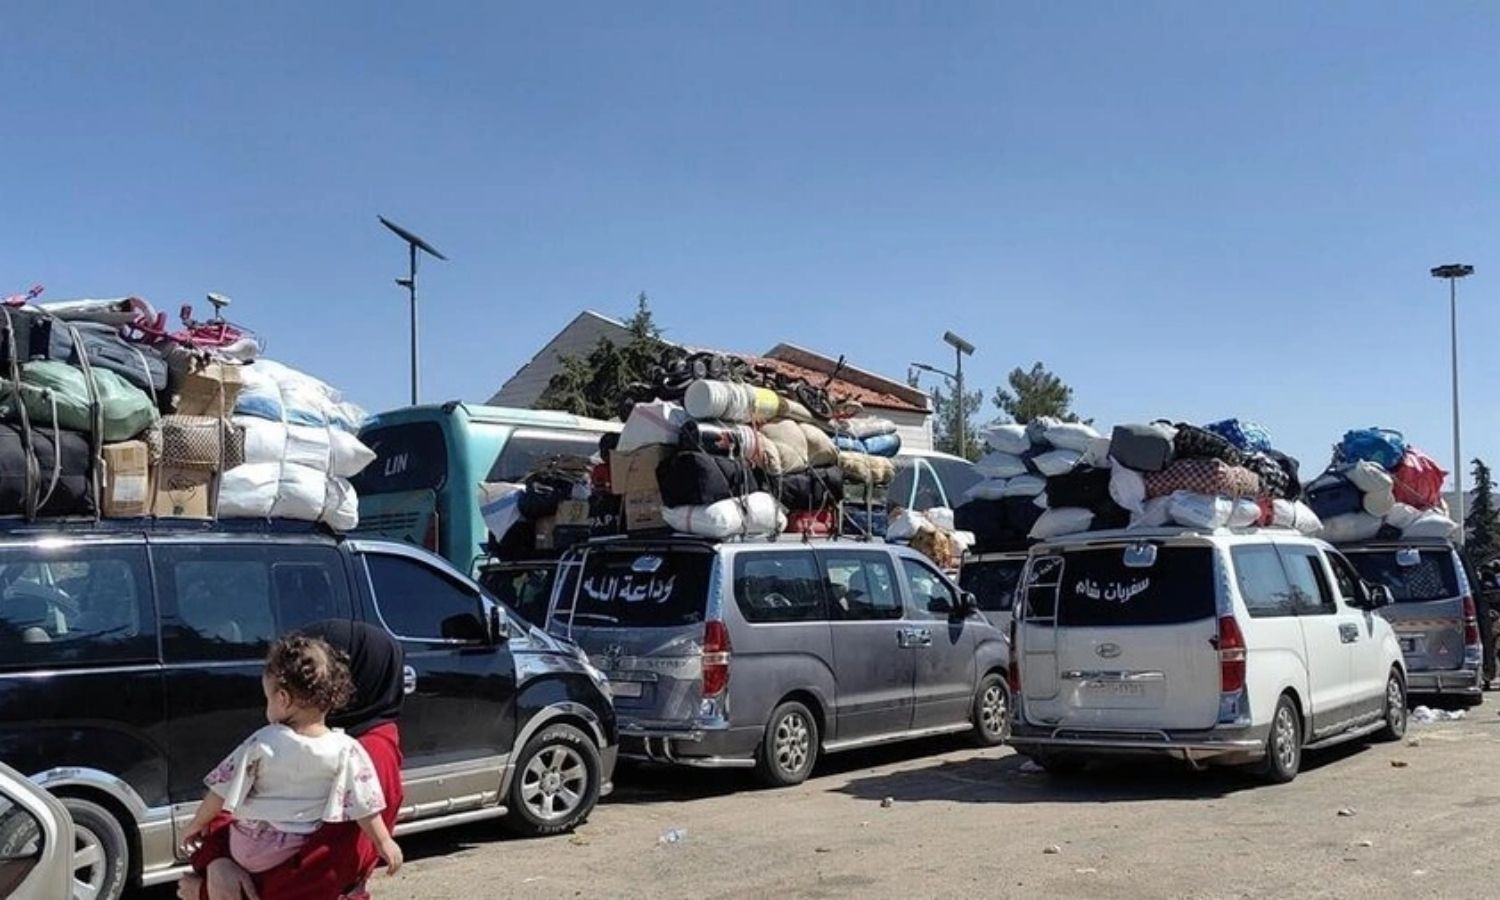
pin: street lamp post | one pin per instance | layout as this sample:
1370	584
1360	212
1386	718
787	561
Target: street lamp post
1453	272
413	244
961	349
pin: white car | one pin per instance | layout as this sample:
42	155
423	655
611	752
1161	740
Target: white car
36	842
1236	648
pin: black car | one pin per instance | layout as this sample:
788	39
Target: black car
132	658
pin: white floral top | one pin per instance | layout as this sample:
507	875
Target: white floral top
295	783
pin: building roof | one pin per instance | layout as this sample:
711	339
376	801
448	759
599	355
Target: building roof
840	388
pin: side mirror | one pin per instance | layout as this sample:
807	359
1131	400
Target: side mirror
968	605
495	624
1380	596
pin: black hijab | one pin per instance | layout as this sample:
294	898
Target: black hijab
376	662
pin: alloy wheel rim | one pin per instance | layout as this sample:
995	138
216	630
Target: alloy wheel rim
1395	705
1286	739
554	782
89	869
793	742
992	711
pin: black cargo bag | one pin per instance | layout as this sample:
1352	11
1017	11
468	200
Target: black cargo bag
1144	448
64	482
695	478
1087	488
811	489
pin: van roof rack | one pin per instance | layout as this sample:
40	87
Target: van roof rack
16	525
1166	531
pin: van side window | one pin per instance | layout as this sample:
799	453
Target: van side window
1304	568
862	586
1263	582
229	601
419	603
1345	577
778	587
75	605
931	597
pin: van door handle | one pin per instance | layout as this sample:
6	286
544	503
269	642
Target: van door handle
912	638
408	680
1349	634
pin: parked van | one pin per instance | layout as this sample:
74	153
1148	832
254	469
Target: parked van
1435	617
995	581
130	664
423	487
767	654
924	479
1223	647
36	842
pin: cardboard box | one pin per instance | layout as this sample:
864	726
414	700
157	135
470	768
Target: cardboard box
210	389
573	512
184	493
127	480
633	476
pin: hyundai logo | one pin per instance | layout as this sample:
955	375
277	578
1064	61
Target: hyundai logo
1108	650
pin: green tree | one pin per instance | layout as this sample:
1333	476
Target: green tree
597	384
946	411
1482	522
1032	394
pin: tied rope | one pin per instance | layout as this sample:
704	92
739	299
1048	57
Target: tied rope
32	465
96	420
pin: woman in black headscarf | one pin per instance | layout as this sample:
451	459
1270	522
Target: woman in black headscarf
338	858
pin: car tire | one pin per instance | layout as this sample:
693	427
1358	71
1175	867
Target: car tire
1283	745
101	861
1061	765
1395	709
991	713
789	749
555	783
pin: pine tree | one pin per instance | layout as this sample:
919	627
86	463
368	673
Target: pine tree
1482	522
1035	393
597	384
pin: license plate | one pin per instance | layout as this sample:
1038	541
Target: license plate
1115	689
625	688
1409	645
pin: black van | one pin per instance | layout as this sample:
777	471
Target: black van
131	665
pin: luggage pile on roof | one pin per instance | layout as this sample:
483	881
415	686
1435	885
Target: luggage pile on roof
1052	478
107	411
718	448
1378	486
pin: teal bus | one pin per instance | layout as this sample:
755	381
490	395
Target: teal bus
423	486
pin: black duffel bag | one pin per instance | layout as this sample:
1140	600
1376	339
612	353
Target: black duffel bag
811	489
695	478
64	486
1085	488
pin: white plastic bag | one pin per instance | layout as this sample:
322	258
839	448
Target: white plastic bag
904	525
1001	465
1007	438
1155	513
1067	520
1244	513
1379	503
1097	455
756	514
941	516
1127	487
988	489
1370	478
1068	435
1200	510
1402	516
1350	528
1431	524
340	505
1024	486
658	422
1056	462
1296	515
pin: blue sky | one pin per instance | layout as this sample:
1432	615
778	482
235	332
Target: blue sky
1187	210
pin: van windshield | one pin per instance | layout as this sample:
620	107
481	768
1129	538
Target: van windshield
1098	590
1428	576
647	588
992	582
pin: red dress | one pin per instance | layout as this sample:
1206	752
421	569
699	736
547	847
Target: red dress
337	858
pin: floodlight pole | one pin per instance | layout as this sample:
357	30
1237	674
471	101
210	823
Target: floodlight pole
413	244
1453	272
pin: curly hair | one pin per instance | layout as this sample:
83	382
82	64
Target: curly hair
311	671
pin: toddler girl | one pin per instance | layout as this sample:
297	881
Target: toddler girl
296	773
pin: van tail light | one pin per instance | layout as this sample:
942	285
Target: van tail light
1231	656
1471	623
716	652
430	539
1013	671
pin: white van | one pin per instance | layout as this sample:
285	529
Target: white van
1210	646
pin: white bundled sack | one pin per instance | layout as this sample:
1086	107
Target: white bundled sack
1350	528
1001	465
1024	486
988	489
1402	516
1097	455
658	422
341	505
1056	462
325	448
1377	485
1431	524
1007	438
941	516
904	525
1127	487
963	541
1200	510
756	514
1155	513
1244	514
1296	515
283	394
1064	435
288	491
1066	520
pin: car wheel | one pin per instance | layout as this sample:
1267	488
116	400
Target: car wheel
101	856
789	748
991	712
555	784
1395	709
1283	745
1060	765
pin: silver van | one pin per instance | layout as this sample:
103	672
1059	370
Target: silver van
995	580
1434	615
765	654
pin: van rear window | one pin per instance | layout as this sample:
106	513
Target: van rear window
1098	590
410	457
1428	575
645	589
992	582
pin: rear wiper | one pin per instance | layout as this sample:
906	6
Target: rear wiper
598	617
